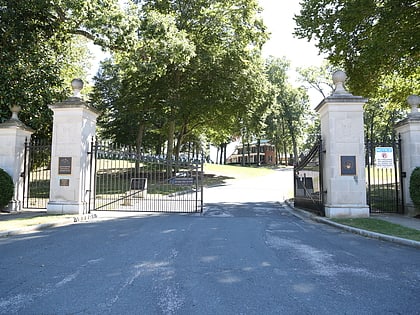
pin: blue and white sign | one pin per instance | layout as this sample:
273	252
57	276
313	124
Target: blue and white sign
384	157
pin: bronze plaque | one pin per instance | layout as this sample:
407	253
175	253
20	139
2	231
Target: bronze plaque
64	182
64	165
348	165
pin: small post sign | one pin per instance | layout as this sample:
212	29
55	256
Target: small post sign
384	157
64	165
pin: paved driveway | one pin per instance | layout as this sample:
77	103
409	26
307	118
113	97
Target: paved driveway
245	255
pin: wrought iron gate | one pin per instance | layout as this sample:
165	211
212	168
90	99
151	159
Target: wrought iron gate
124	179
36	174
383	178
308	188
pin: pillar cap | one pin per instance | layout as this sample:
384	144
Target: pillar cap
77	86
340	94
339	77
76	100
14	121
414	102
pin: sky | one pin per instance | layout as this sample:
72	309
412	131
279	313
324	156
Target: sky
278	18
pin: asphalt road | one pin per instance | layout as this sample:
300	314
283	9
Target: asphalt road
248	254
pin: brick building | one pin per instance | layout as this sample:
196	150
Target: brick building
256	152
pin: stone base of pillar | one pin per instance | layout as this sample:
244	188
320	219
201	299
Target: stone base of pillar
347	211
411	210
13	206
63	207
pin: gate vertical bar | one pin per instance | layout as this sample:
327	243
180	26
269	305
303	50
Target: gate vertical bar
25	174
369	164
202	186
321	177
400	162
95	157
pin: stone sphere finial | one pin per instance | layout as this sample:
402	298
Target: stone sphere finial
339	77
414	101
77	86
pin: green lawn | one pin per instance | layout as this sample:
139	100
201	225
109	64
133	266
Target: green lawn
381	226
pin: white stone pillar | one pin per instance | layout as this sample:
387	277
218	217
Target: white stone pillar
409	130
13	134
342	131
74	126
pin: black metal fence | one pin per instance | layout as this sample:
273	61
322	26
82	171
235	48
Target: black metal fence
308	185
383	177
126	180
36	174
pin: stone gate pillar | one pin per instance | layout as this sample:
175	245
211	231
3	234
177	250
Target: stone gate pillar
342	132
74	125
13	134
409	130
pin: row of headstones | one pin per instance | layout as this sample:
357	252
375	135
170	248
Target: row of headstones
342	131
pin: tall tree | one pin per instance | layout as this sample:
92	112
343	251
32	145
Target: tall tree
37	49
197	64
370	39
289	108
317	78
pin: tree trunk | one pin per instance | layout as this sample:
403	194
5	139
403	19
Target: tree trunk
170	150
139	143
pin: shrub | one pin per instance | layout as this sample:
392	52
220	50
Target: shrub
6	189
415	187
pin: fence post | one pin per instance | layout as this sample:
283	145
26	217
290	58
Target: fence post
344	163
13	134
409	130
74	124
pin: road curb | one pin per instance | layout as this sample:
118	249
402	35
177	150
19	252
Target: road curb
44	226
383	237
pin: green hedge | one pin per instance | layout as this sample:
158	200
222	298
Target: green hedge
6	190
415	187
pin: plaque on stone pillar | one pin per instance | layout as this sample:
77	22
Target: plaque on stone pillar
64	165
348	165
64	182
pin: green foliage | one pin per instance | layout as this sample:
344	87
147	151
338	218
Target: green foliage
194	69
372	40
415	186
7	188
318	78
40	55
285	122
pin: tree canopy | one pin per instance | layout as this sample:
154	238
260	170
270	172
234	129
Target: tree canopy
369	39
196	68
38	50
285	119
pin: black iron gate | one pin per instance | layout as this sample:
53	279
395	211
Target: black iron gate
36	174
124	179
383	177
308	184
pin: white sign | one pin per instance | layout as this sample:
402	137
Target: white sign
384	157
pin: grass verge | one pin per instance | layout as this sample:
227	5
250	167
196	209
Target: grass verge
381	226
